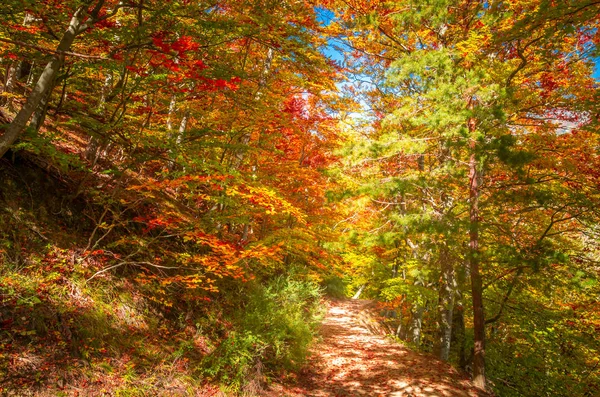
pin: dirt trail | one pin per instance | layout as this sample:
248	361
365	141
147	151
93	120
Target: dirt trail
351	361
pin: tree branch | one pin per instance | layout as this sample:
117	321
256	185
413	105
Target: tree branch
505	299
49	51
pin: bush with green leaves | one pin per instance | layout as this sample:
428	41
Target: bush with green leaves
335	287
273	328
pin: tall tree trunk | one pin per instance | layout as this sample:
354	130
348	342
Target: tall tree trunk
45	81
402	329
474	262
96	145
447	295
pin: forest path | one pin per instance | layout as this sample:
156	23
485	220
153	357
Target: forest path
352	361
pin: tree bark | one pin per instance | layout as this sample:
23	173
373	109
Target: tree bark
474	263
45	81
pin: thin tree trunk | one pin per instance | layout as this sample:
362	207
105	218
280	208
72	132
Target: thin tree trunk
474	263
26	66
400	328
416	324
106	87
92	150
9	85
29	81
359	292
179	138
458	333
447	294
63	96
16	128
3	74
171	114
99	145
182	127
418	309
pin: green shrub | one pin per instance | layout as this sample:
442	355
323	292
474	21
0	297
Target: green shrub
273	328
335	287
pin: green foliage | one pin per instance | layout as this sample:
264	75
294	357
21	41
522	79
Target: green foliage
335	287
273	329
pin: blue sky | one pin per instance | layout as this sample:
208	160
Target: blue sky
324	15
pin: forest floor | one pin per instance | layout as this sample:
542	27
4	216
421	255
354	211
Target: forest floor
353	361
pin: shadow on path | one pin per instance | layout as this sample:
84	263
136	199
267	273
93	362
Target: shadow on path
350	361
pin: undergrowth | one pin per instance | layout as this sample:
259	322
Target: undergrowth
66	329
272	331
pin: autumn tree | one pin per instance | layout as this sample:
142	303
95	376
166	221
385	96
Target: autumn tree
459	90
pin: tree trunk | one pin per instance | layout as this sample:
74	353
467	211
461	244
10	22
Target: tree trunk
39	116
359	292
31	74
400	330
458	333
474	262
174	150
63	96
9	85
45	81
416	324
447	295
106	87
92	151
171	114
182	127
25	69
